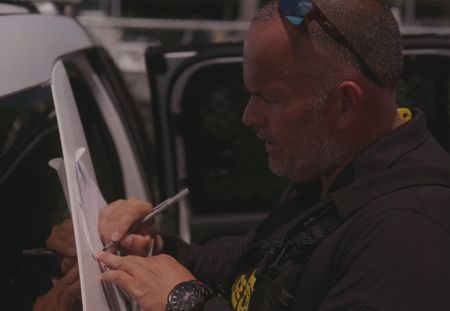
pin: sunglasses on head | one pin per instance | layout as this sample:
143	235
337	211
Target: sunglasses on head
296	11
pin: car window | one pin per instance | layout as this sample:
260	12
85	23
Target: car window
425	84
101	146
30	191
131	115
226	168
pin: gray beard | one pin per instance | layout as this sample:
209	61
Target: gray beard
312	153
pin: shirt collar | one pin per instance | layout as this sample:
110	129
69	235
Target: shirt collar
379	156
385	152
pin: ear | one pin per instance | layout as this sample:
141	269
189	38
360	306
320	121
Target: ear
349	105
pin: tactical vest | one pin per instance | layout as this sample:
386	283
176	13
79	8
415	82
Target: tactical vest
274	266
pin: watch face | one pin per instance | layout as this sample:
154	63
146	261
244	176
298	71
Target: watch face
185	296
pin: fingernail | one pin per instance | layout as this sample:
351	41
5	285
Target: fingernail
115	236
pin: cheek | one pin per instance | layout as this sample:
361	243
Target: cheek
290	124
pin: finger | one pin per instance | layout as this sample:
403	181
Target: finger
110	260
61	247
66	225
72	271
40	304
120	278
65	229
104	220
67	264
132	265
60	298
70	295
133	211
71	277
116	218
62	240
138	245
64	296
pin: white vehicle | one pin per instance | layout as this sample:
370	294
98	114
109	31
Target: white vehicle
58	92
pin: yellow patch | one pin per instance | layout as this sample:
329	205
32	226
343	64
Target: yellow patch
404	113
242	291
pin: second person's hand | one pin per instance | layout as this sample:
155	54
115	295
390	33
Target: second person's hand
62	241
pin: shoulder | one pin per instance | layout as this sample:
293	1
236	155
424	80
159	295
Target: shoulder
386	254
396	258
421	204
410	225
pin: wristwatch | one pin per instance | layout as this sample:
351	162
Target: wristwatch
188	296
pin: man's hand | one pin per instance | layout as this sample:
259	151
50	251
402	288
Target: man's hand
62	241
147	280
115	220
64	296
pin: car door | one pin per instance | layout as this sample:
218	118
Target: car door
106	122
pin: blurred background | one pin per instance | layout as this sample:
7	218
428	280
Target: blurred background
126	27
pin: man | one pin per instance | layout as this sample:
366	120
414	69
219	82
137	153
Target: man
322	78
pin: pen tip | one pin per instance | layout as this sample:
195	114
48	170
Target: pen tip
108	246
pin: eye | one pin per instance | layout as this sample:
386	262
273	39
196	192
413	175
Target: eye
269	99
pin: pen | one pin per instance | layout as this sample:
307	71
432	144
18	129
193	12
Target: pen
38	252
156	211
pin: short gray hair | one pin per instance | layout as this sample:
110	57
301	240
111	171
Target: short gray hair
369	27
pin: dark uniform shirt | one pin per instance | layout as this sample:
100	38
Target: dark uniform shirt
393	254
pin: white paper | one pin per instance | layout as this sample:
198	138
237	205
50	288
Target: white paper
87	208
58	165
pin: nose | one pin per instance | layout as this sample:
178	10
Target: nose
253	115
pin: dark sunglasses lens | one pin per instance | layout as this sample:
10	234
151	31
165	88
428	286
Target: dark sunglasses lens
295	10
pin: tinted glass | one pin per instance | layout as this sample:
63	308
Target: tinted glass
30	192
102	148
226	165
133	118
426	85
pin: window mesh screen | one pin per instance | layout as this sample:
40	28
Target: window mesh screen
226	165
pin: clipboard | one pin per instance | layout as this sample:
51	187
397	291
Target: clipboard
84	199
